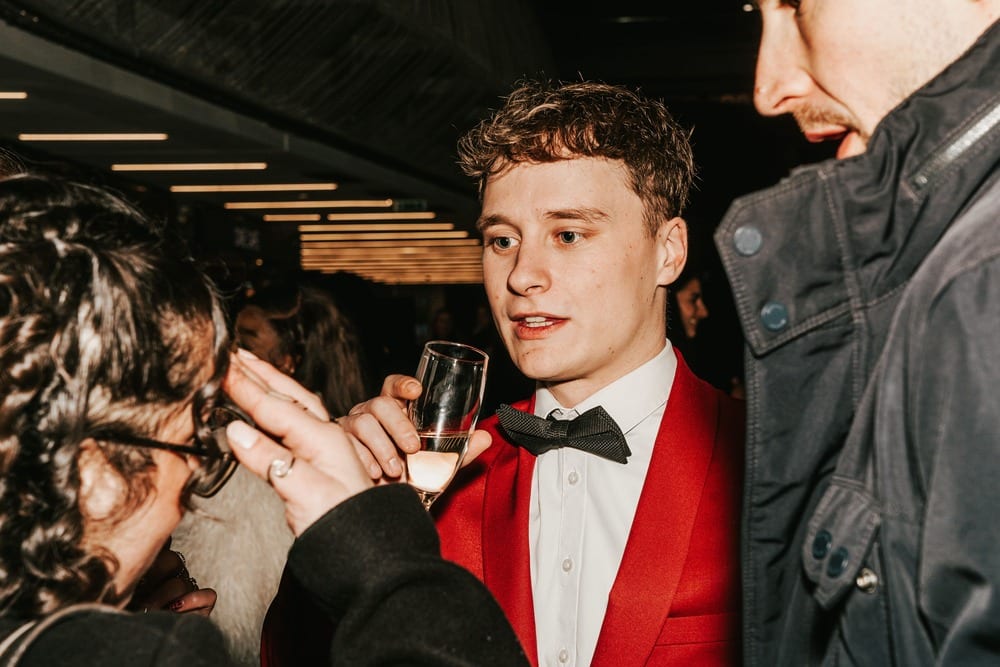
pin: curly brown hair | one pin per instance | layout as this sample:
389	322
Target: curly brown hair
105	325
545	122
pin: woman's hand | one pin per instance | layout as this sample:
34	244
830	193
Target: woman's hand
311	463
168	585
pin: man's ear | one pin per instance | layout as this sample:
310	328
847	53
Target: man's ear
672	247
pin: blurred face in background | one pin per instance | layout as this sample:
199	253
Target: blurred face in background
691	306
255	332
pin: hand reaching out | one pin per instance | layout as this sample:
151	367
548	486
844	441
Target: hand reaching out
168	585
381	430
308	460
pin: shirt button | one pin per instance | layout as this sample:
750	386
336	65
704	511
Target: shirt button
567	564
747	240
563	655
774	316
573	477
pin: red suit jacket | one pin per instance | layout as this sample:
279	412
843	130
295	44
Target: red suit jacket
675	600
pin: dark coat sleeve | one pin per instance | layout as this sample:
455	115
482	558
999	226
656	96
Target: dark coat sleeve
374	563
957	427
122	639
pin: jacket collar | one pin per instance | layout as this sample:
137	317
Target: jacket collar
836	236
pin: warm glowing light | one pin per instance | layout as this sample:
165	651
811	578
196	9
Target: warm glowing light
292	217
330	245
417	253
192	166
13	95
404	227
417	276
329	203
383	236
421	215
257	187
93	136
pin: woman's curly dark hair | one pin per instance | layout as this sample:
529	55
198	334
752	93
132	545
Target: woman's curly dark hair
106	325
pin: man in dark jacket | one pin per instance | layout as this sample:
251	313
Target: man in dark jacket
869	294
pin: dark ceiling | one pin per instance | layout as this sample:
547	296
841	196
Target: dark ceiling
371	94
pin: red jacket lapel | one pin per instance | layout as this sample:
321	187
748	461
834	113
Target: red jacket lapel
506	559
483	522
657	547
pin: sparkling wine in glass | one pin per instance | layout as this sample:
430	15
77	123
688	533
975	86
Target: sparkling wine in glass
453	377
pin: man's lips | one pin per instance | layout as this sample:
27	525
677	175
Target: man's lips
850	141
535	325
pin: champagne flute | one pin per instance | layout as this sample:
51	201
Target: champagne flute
453	377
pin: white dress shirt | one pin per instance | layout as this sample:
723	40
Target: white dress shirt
584	504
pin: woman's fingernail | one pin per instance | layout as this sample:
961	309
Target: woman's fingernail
245	353
241	434
395	467
176	605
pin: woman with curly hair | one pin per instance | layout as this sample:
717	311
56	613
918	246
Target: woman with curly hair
119	399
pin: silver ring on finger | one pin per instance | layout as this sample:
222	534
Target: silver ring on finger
279	469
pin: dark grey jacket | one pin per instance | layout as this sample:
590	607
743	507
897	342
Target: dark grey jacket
869	294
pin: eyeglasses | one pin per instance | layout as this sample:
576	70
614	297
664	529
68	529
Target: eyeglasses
211	445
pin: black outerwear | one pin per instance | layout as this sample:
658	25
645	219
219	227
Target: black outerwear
869	294
373	561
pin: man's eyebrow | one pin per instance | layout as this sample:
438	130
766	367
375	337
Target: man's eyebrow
586	213
486	221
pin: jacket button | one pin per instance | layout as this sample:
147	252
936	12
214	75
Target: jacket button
747	240
821	544
867	581
837	563
774	316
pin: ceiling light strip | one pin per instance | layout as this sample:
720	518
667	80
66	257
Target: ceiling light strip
257	187
351	217
92	136
395	263
438	243
387	227
422	280
191	166
329	203
400	251
13	95
384	236
292	217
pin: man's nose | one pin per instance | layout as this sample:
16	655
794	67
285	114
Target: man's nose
781	81
530	270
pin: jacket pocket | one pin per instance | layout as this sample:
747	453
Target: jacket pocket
842	558
839	537
705	640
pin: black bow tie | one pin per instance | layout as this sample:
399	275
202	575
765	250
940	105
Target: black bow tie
594	431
